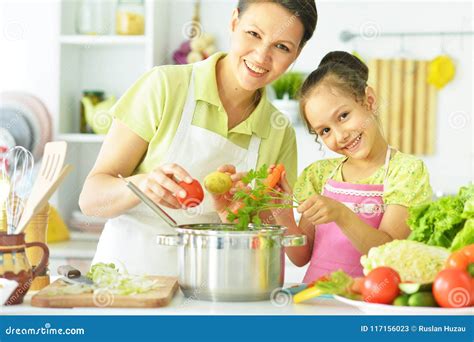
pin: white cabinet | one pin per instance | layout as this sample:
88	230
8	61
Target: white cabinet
110	63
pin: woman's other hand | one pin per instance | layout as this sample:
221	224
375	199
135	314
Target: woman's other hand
162	187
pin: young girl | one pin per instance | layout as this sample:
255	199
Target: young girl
360	200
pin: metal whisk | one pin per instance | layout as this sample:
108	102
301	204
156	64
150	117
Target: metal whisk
17	169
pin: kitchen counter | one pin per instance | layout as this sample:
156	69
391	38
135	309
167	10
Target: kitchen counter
181	305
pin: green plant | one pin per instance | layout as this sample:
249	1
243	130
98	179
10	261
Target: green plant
290	83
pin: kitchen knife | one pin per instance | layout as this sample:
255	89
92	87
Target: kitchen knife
72	275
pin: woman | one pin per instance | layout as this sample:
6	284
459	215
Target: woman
182	122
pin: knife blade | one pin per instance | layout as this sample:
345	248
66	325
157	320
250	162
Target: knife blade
72	275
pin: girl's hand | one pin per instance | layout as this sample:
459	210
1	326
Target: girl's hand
224	201
319	209
161	186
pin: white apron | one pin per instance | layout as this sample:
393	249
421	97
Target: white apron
129	240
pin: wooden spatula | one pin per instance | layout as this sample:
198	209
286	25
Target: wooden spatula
33	207
51	166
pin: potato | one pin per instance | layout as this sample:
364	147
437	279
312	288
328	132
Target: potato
217	183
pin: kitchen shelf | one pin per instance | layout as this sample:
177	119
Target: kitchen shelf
81	138
87	40
109	63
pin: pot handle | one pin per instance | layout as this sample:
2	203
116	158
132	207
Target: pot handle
168	240
293	241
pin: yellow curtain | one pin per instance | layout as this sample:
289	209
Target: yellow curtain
406	103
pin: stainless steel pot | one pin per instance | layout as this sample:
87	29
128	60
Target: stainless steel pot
219	263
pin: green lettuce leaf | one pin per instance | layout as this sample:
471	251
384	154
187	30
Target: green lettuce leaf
464	237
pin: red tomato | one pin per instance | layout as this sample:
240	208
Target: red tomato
194	194
452	288
381	285
458	260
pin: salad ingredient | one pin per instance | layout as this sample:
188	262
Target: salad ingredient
108	277
274	177
414	261
465	237
440	222
462	259
452	288
401	300
422	299
337	283
381	286
194	194
357	285
458	260
410	288
218	183
255	200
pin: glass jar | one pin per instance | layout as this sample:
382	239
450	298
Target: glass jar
93	17
130	17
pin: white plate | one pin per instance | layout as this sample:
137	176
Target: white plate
383	309
6	289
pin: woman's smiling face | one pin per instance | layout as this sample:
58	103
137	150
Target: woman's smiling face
346	126
265	41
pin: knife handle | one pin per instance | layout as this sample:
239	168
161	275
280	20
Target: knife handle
69	271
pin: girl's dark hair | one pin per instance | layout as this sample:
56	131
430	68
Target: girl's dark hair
305	10
338	69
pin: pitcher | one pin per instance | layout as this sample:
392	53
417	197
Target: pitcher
14	264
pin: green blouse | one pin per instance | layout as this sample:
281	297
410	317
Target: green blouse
407	184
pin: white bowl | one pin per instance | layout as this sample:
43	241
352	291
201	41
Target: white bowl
6	289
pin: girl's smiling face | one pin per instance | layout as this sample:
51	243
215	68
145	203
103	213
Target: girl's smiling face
265	41
346	126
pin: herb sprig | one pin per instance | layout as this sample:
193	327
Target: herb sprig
259	197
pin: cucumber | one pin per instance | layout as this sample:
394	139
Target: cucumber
422	299
411	288
401	300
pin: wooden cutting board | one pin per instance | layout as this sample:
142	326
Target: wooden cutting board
152	299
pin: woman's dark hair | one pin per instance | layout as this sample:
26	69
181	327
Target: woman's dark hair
338	69
305	10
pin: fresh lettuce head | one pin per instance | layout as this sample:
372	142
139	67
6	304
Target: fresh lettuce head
414	261
438	223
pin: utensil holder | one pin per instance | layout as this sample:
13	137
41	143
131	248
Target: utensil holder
36	232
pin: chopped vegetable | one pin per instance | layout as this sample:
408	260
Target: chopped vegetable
411	288
439	223
414	261
108	277
218	183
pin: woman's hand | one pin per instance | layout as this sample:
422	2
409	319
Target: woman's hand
319	209
224	201
160	185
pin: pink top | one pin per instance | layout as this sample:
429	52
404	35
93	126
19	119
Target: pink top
332	250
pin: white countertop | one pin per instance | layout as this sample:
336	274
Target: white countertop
181	305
